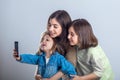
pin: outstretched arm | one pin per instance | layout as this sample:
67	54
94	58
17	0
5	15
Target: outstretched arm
57	76
91	76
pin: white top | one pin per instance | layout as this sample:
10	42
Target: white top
47	59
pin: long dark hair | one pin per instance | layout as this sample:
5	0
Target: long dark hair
85	33
63	18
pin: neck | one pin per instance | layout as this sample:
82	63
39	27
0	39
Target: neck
48	53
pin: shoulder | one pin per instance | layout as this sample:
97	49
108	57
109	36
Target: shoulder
96	51
42	54
58	55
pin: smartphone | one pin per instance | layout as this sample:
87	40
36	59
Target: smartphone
16	47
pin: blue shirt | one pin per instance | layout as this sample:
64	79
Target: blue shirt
56	62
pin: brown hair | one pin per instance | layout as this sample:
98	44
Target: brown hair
85	33
63	18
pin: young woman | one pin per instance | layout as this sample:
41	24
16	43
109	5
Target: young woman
92	63
49	61
57	26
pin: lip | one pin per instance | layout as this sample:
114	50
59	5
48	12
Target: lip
51	34
43	45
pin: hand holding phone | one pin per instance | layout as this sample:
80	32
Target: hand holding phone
16	52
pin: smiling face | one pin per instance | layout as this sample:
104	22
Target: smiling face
54	28
46	43
72	36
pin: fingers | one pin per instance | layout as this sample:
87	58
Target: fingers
38	77
15	54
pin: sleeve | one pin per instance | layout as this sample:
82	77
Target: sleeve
66	66
29	59
98	61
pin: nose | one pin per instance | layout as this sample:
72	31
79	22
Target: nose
50	28
68	36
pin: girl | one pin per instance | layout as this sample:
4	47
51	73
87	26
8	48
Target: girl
57	26
92	63
48	60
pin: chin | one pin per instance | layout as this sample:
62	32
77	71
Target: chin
53	36
71	44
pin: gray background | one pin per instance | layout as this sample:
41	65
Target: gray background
25	20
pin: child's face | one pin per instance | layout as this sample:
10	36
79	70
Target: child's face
72	36
46	43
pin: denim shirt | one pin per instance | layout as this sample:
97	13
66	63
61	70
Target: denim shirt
56	62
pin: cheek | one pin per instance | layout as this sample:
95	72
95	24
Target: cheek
50	45
75	41
59	31
41	47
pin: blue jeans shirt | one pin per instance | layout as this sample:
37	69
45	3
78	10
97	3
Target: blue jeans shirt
56	62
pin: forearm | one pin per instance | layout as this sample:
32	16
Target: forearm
57	76
91	76
29	59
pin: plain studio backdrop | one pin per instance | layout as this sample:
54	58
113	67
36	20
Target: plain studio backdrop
25	20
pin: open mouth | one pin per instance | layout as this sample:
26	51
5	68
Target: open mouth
43	45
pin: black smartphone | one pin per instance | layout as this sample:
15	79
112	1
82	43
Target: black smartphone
16	46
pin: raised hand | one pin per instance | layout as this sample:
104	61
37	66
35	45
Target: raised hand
16	55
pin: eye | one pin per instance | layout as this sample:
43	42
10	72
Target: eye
49	25
72	34
47	39
55	26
